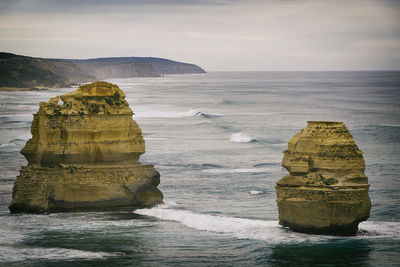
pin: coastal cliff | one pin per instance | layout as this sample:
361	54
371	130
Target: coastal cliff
84	155
126	67
26	73
326	190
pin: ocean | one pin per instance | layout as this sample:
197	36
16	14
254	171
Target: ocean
217	140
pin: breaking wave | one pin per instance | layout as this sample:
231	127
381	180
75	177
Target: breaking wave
172	114
255	192
268	231
241	137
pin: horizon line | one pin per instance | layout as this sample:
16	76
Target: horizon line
358	70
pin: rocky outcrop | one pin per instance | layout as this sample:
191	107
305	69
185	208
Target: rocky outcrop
326	190
84	155
29	73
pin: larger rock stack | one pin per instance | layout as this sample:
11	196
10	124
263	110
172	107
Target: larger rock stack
84	155
326	190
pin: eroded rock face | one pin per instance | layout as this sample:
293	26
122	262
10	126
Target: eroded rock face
326	190
84	155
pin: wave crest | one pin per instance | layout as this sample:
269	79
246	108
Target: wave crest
151	113
269	231
241	137
255	192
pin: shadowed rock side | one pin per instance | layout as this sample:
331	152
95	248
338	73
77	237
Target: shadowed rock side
84	155
326	191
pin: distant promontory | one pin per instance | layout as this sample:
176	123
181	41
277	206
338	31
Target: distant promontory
26	73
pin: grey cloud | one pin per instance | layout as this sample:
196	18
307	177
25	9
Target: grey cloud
217	35
91	6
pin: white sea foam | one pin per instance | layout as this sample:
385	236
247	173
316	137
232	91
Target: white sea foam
170	204
241	137
379	229
241	228
268	231
238	227
21	254
224	171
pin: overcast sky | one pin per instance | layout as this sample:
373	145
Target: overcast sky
247	35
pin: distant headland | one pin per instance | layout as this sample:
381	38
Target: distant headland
19	72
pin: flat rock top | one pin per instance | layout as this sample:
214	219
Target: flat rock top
321	133
325	123
98	98
95	89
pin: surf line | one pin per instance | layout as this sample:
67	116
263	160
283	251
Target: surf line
269	231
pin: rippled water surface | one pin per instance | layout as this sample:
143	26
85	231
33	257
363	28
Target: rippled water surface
217	140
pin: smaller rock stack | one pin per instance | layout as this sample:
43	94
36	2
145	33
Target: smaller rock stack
326	191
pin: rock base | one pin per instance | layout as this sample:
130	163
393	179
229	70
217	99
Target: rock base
327	210
73	188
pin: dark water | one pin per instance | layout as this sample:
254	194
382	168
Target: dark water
217	140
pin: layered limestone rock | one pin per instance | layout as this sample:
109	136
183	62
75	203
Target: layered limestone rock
84	155
326	190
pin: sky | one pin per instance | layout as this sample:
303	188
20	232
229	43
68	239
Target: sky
218	35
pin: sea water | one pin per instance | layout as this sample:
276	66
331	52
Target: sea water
217	140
